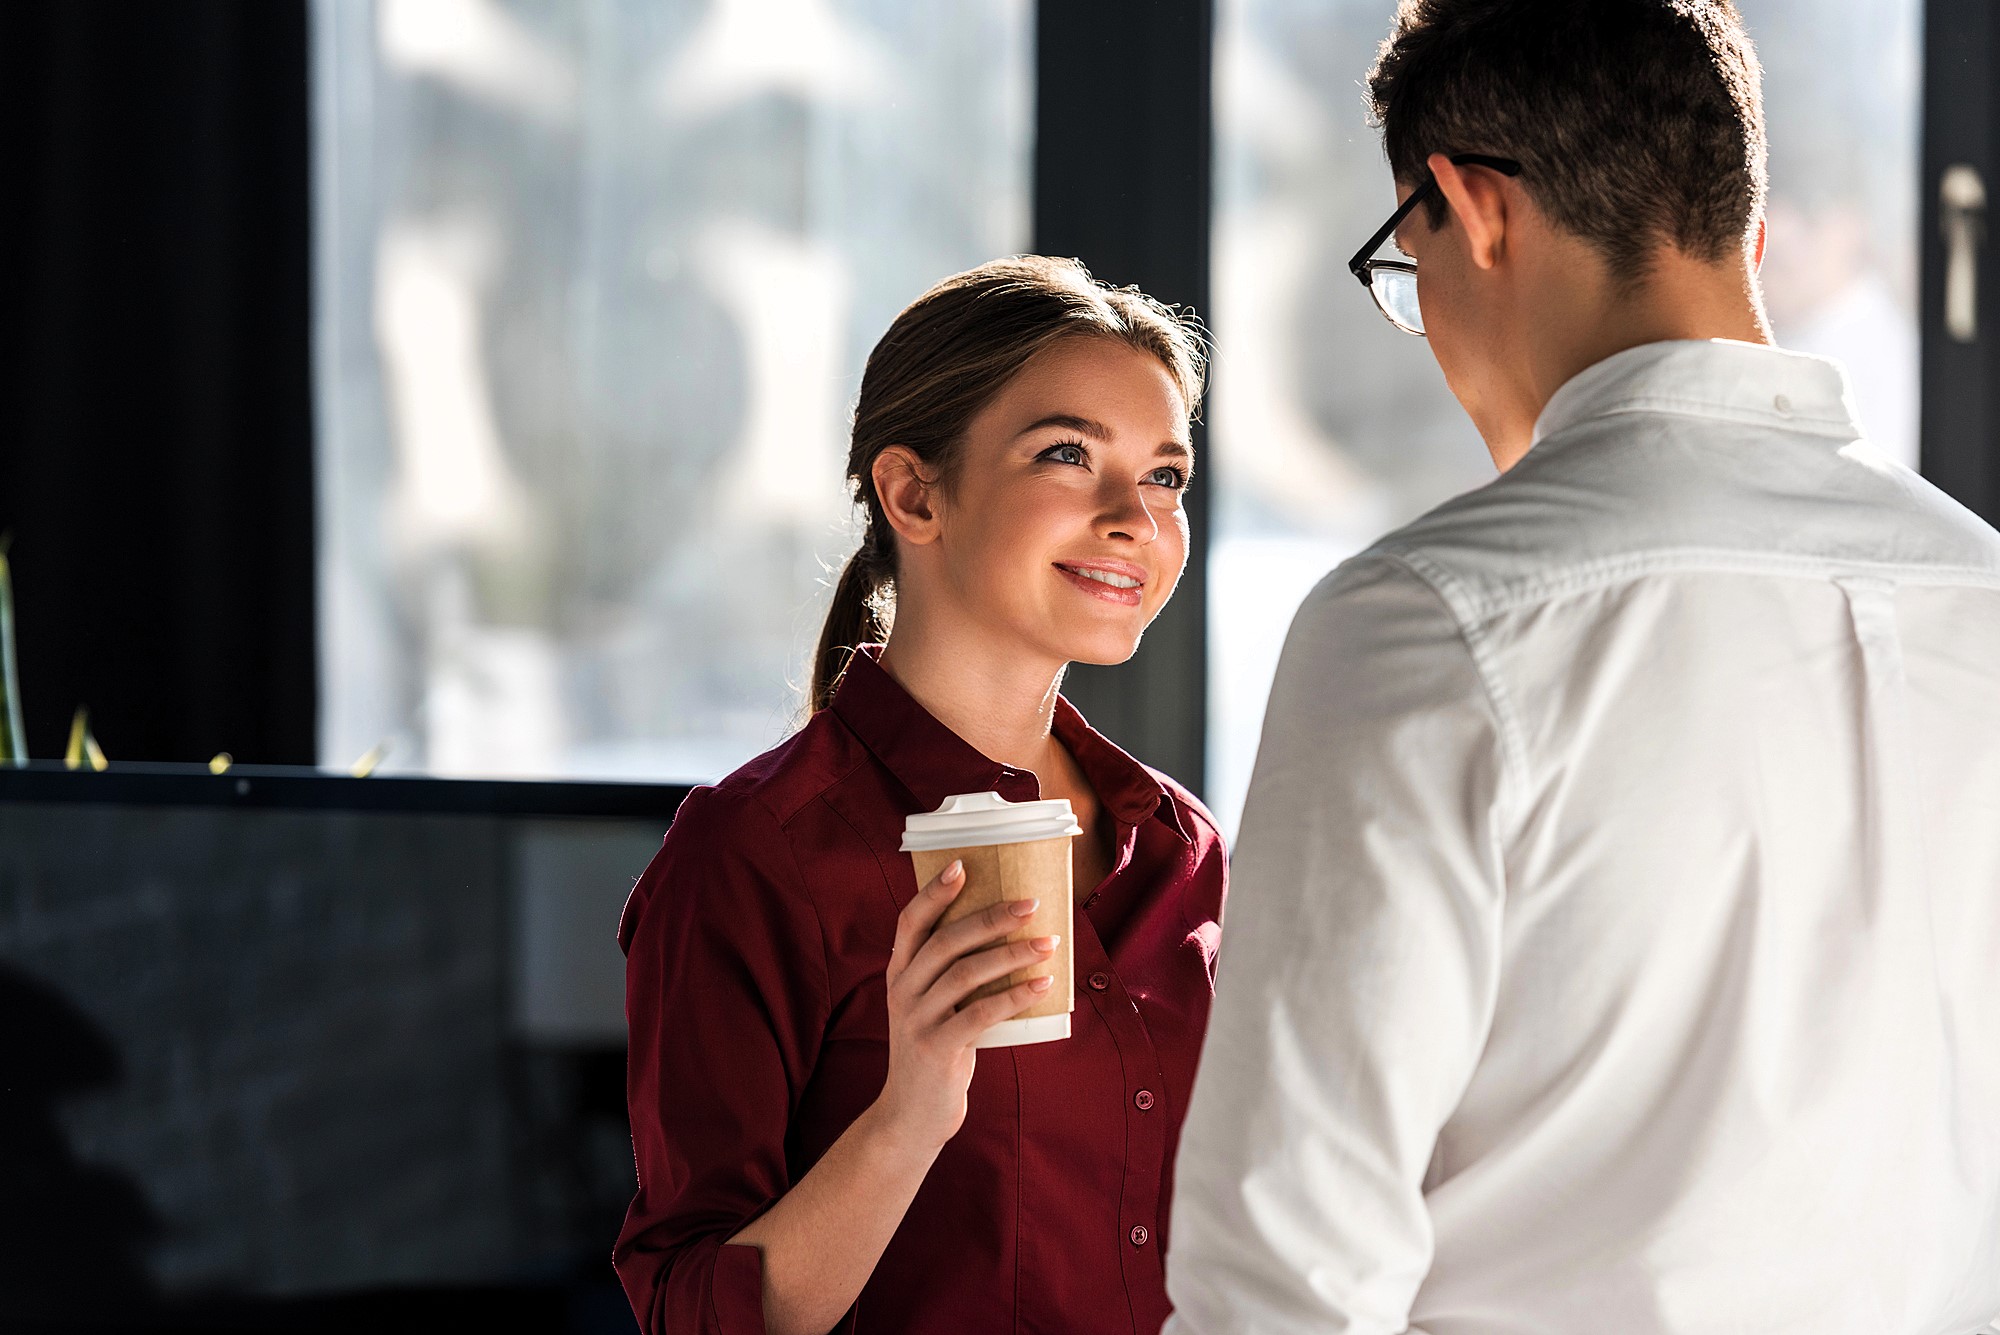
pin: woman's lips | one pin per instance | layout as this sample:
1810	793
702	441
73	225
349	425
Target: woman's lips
1111	593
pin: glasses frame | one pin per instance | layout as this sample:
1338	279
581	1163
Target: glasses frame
1364	264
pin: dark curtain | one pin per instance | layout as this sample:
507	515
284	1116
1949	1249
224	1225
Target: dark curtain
155	396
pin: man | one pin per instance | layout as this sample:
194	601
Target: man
1614	943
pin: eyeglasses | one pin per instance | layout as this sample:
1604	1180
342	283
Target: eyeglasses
1393	282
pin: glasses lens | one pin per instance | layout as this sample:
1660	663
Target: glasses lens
1396	293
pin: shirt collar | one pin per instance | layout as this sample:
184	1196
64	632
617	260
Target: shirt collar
933	762
1719	378
1132	792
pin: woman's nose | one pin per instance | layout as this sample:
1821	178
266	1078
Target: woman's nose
1124	514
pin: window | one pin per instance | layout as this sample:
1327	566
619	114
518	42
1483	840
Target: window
595	284
1843	96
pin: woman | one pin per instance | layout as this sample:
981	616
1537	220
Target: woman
819	1146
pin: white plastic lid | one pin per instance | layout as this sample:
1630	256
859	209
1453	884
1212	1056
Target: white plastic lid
977	819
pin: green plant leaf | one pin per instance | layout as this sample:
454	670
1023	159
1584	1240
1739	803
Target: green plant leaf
79	728
370	758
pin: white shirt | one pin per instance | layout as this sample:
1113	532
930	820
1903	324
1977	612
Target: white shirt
1613	941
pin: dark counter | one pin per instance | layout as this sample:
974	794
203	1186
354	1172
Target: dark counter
270	786
279	1035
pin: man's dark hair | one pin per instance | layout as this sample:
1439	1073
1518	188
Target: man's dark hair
1636	122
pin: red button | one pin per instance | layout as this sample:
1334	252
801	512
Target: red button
1099	981
1144	1100
1139	1235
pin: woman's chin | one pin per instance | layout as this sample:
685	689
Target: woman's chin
1102	648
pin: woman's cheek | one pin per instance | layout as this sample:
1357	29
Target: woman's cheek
1175	564
1182	536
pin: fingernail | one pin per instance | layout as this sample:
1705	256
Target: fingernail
1040	984
1046	943
955	870
1023	908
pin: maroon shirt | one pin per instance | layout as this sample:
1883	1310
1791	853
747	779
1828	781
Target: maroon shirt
756	943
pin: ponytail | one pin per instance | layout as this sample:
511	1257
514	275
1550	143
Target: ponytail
863	607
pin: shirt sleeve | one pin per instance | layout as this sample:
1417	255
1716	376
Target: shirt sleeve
726	1004
1357	974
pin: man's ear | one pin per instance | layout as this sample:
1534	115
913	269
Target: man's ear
1478	199
1763	235
909	496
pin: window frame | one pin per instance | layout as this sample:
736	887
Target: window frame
1123	180
1958	380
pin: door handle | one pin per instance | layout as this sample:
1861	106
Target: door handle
1962	215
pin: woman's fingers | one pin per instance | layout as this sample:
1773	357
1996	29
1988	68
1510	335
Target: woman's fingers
951	942
962	1028
975	971
920	915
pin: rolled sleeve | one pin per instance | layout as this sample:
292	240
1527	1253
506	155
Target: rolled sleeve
726	1005
1357	973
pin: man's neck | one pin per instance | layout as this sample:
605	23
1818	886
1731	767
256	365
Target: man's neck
1679	299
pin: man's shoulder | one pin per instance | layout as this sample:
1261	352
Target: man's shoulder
1621	498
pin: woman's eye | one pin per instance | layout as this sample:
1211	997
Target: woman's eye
1168	477
1066	454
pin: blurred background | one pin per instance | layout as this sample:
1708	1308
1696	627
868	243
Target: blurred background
456	391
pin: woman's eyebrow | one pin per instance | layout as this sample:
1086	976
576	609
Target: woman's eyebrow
1072	422
1173	449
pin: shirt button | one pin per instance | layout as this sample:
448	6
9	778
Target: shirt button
1099	981
1139	1235
1143	1100
1782	404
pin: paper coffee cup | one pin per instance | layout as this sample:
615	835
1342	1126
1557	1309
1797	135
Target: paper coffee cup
1011	850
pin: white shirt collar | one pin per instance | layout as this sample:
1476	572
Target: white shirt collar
1720	378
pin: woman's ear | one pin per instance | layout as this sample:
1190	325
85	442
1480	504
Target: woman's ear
909	497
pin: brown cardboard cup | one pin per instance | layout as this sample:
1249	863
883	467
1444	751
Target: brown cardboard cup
1011	850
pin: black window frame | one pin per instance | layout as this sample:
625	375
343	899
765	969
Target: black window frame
1123	180
1958	379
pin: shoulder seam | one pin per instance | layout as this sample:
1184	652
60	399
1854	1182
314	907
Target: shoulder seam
750	794
812	902
1446	589
841	816
757	790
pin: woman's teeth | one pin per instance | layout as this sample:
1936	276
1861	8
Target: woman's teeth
1105	577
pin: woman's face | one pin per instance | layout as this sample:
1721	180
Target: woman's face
1062	523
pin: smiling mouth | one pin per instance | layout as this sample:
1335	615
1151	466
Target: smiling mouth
1109	585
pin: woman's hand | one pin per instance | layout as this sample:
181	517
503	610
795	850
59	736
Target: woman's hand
822	1239
931	971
